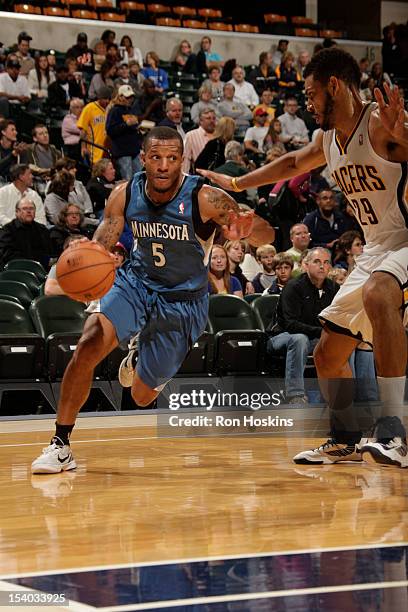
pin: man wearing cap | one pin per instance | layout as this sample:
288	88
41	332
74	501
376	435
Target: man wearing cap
92	122
254	136
14	88
83	54
27	63
122	129
61	92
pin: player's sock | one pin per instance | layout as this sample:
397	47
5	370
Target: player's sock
62	434
344	422
392	391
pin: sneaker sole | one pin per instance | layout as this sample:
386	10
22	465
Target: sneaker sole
124	377
374	457
46	469
304	461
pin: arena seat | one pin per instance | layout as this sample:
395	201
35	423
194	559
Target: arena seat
221	26
27	264
210	13
10	298
246	27
182	11
99	4
264	307
23	276
55	11
84	14
300	19
133	6
251	297
274	18
331	33
200	359
29	9
305	32
111	16
239	343
168	21
195	24
18	290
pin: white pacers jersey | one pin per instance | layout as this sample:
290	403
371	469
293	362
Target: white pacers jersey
375	187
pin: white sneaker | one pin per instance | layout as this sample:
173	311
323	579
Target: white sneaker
54	459
54	486
127	366
327	453
386	452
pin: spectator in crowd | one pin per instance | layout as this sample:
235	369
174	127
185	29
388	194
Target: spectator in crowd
280	50
236	251
244	91
61	91
213	154
297	328
136	78
349	246
294	130
23	53
211	58
231	107
14	87
367	90
302	61
76	76
379	76
40	77
41	155
263	76
254	136
83	54
282	266
326	224
214	81
154	73
338	275
70	132
204	102
287	75
174	116
300	238
23	237
10	149
92	125
122	127
103	79
20	186
391	51
112	54
99	51
70	221
78	194
52	286
273	137
124	78
58	195
108	37
226	74
198	138
101	185
265	255
185	59
150	104
364	65
234	166
120	254
129	52
219	277
265	104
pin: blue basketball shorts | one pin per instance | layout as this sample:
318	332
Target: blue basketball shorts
167	329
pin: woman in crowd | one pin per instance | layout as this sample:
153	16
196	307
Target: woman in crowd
236	251
213	154
185	59
129	52
58	195
78	194
154	73
103	78
349	246
273	137
101	185
219	277
205	102
288	76
70	132
122	129
214	81
40	77
71	221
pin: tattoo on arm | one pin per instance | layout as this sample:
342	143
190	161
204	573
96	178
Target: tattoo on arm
223	203
109	231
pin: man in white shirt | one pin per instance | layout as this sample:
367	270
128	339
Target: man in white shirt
14	88
244	91
294	130
11	194
197	139
254	136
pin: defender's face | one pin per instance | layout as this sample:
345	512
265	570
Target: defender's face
162	162
320	103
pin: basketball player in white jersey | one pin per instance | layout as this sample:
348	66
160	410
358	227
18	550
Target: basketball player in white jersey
366	149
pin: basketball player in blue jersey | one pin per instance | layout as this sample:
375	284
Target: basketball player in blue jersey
162	292
366	149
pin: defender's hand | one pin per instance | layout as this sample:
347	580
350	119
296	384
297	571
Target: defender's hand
392	115
239	225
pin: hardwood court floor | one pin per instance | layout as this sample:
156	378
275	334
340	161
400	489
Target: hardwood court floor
136	498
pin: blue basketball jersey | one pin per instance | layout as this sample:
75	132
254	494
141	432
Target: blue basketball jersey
172	244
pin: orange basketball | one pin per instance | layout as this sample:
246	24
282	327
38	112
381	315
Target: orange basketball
85	271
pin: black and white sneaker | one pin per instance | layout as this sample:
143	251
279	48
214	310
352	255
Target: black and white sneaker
329	452
388	445
128	364
54	458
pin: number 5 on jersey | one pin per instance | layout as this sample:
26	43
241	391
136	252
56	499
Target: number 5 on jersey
158	255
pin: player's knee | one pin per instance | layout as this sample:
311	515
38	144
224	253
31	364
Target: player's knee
143	397
87	351
381	294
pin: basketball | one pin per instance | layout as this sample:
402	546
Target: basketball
85	271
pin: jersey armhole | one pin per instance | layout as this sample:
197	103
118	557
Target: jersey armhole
127	197
202	230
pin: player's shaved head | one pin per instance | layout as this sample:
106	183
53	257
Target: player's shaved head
162	133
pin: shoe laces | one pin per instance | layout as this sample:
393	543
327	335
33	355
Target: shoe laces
330	442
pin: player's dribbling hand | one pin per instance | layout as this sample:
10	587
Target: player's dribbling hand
392	115
221	180
239	225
